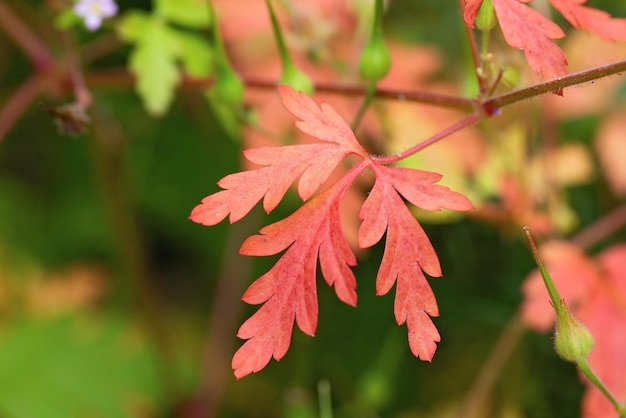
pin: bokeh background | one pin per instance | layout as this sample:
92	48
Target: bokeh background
114	304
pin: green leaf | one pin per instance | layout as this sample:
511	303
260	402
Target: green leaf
153	60
63	369
190	13
132	26
195	54
66	20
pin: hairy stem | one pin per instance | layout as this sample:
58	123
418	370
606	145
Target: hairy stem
463	123
362	108
476	61
491	105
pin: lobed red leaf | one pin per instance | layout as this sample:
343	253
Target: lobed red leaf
323	122
288	289
313	163
526	29
593	20
408	251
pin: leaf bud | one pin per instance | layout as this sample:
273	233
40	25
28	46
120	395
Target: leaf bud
486	17
298	80
572	340
375	59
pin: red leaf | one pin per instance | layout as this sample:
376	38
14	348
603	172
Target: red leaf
288	289
407	249
526	29
313	163
471	10
593	20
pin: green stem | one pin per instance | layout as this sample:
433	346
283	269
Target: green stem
325	400
585	369
476	61
285	58
547	280
367	100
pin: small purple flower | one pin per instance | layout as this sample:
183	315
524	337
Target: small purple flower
94	11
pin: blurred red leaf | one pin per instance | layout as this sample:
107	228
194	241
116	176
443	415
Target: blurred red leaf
596	290
593	20
610	145
573	273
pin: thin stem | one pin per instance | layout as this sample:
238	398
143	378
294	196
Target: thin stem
585	369
491	105
471	39
120	78
367	100
82	95
19	101
436	99
498	357
465	122
283	52
325	400
602	228
547	280
24	38
223	321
